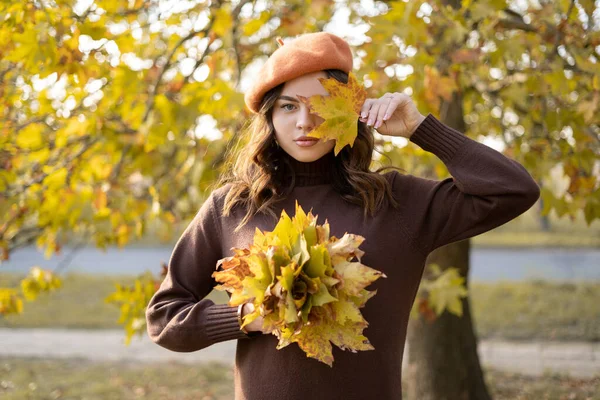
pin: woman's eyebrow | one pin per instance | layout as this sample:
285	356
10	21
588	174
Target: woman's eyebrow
288	98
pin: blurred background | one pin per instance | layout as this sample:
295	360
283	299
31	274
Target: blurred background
115	120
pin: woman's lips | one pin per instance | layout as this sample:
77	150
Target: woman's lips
306	142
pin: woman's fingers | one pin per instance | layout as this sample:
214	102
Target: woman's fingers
366	109
392	105
385	110
256	324
369	111
375	111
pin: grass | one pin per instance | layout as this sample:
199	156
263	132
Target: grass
30	378
537	310
523	311
512	386
500	239
78	304
525	231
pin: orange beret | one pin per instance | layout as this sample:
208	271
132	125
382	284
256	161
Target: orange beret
310	52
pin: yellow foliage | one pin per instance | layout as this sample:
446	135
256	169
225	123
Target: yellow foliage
38	281
10	302
132	301
223	21
30	137
441	292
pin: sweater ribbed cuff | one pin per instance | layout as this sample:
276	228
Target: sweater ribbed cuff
436	137
222	323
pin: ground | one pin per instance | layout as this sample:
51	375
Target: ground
78	379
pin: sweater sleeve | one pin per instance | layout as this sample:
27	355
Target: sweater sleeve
178	316
486	189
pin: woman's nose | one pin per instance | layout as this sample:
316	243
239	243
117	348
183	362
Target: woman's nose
306	120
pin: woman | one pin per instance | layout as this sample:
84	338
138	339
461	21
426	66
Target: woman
402	218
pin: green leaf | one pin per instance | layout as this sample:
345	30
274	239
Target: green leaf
316	266
322	296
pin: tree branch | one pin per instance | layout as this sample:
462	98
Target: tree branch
88	141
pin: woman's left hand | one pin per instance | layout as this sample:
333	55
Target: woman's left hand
394	114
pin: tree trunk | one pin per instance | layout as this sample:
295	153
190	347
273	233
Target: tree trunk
544	220
443	363
442	355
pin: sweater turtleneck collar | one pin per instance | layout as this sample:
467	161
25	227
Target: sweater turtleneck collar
313	172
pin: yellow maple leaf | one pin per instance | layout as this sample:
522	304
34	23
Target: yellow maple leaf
304	284
340	110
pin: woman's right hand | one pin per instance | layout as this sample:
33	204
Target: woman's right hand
256	325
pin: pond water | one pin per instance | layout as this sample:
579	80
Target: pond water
486	264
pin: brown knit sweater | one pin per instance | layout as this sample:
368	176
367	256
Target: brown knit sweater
486	190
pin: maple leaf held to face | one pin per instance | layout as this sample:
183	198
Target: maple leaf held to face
340	110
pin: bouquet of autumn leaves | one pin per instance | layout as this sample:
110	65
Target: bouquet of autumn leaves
304	284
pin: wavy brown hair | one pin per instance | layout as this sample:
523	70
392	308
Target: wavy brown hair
259	179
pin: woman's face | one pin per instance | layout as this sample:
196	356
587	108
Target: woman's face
292	118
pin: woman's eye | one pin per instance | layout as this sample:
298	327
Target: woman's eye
285	105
